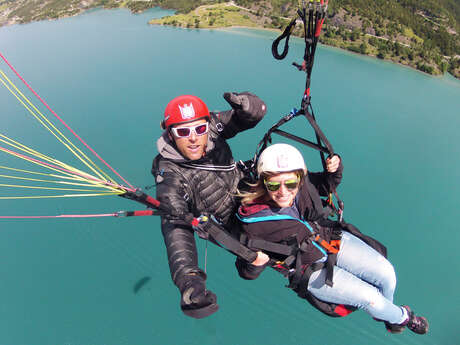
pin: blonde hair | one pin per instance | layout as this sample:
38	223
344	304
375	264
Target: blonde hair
258	190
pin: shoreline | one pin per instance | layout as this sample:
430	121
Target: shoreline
256	26
373	57
226	15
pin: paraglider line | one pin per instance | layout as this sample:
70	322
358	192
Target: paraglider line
62	121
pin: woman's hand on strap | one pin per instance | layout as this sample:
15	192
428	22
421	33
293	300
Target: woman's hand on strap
261	259
332	163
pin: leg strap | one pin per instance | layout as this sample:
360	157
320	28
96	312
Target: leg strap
302	284
330	263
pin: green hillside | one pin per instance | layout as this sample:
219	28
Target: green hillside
423	34
419	33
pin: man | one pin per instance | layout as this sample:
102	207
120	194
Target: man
195	173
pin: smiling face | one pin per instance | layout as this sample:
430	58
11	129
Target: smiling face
286	185
193	146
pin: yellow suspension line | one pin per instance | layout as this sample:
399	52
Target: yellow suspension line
54	169
33	114
87	161
58	176
64	166
45	119
48	188
51	181
30	151
55	196
39	173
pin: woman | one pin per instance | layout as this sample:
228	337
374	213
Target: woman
282	217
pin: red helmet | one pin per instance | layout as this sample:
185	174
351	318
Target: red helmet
185	108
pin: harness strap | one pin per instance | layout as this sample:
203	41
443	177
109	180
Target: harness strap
301	140
289	260
318	132
139	196
296	277
299	282
273	247
330	263
302	284
217	233
332	246
286	34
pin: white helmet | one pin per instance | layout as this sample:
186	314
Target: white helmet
280	158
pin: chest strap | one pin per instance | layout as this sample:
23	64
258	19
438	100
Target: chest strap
325	247
301	274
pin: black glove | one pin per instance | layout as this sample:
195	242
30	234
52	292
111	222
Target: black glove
246	104
196	301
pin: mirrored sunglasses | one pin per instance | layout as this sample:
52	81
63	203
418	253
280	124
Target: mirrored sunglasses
185	132
291	184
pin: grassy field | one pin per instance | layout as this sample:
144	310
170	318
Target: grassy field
209	16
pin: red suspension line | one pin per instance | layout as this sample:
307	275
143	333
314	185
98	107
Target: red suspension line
116	214
63	122
87	177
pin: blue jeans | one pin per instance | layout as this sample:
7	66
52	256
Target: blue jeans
362	278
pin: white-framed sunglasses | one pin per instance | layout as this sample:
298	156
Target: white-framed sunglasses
185	132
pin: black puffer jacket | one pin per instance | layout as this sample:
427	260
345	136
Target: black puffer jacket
206	185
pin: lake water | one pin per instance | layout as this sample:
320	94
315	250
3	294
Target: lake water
110	75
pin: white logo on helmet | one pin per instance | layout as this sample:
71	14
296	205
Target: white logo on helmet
187	111
282	161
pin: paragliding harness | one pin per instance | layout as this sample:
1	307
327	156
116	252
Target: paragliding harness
312	17
206	226
297	272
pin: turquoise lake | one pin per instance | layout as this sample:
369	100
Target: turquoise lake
109	75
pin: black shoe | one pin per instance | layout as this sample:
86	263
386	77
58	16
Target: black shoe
417	324
394	328
391	327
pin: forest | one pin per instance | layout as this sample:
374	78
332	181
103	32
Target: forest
423	34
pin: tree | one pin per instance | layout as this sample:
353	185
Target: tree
410	55
373	41
366	25
355	34
397	49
